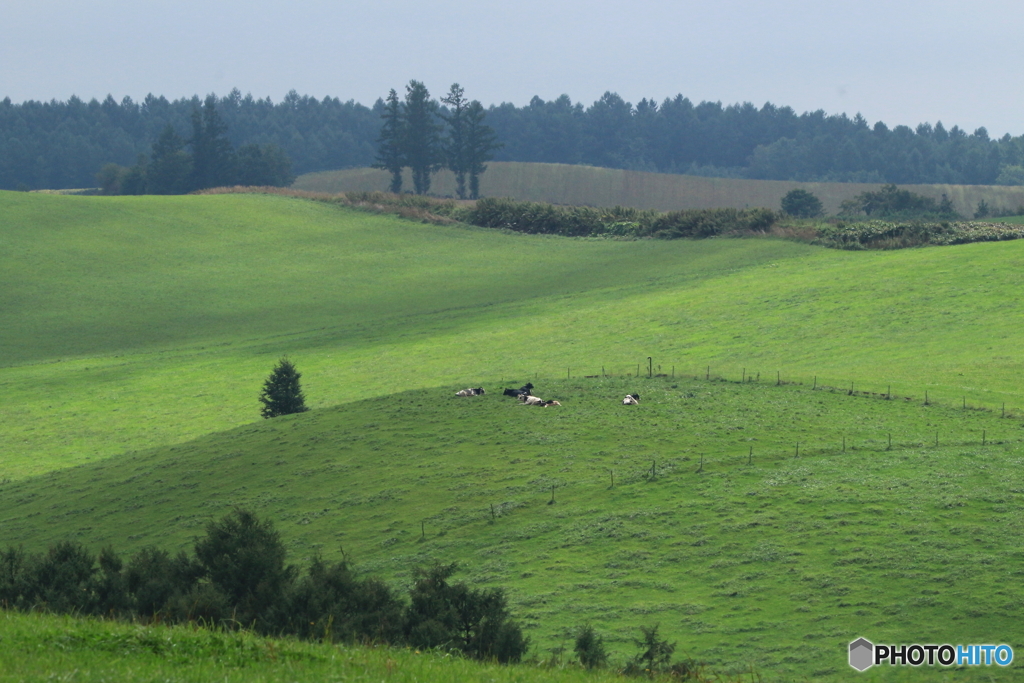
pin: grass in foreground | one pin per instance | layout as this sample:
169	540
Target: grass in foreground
46	648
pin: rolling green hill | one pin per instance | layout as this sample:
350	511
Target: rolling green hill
592	186
780	522
136	322
758	524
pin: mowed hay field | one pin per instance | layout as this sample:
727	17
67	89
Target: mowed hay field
781	521
605	187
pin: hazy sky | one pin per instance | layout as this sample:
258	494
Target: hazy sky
899	61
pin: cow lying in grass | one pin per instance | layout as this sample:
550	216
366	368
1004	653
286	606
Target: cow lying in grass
524	390
527	400
479	391
631	400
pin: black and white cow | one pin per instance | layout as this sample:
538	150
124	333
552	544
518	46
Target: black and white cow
479	391
525	390
631	400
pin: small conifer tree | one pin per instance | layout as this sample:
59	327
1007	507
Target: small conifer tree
589	648
281	393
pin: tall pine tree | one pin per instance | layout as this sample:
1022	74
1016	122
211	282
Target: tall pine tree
480	143
455	145
390	144
422	135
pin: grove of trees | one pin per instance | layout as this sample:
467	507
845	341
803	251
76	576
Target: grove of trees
211	162
62	144
412	136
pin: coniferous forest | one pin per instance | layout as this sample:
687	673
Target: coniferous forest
64	144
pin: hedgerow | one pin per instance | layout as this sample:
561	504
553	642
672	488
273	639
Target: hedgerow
628	223
900	235
238	577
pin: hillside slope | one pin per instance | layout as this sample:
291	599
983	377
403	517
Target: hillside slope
592	186
758	524
137	322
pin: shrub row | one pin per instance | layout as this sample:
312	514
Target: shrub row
576	221
238	576
899	235
627	223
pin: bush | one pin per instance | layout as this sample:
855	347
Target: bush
589	648
156	581
801	204
457	617
244	559
712	222
654	655
332	604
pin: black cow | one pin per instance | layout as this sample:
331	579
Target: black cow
525	390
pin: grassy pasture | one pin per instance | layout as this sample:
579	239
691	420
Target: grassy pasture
137	322
778	563
137	332
592	186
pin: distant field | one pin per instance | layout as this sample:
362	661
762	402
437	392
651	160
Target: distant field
591	186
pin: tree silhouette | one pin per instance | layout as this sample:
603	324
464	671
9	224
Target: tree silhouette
390	155
281	393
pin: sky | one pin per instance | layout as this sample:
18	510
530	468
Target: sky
905	62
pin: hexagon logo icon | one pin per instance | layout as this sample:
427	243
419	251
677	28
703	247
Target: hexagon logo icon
861	654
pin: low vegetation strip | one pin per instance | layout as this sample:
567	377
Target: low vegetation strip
626	223
42	647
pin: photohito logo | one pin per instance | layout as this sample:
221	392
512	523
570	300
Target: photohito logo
864	654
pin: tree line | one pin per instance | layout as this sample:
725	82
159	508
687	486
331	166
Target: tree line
62	144
210	161
413	136
238	576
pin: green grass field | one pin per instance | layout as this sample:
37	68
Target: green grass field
758	541
138	331
591	186
45	648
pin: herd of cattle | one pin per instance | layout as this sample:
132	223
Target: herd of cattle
525	396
